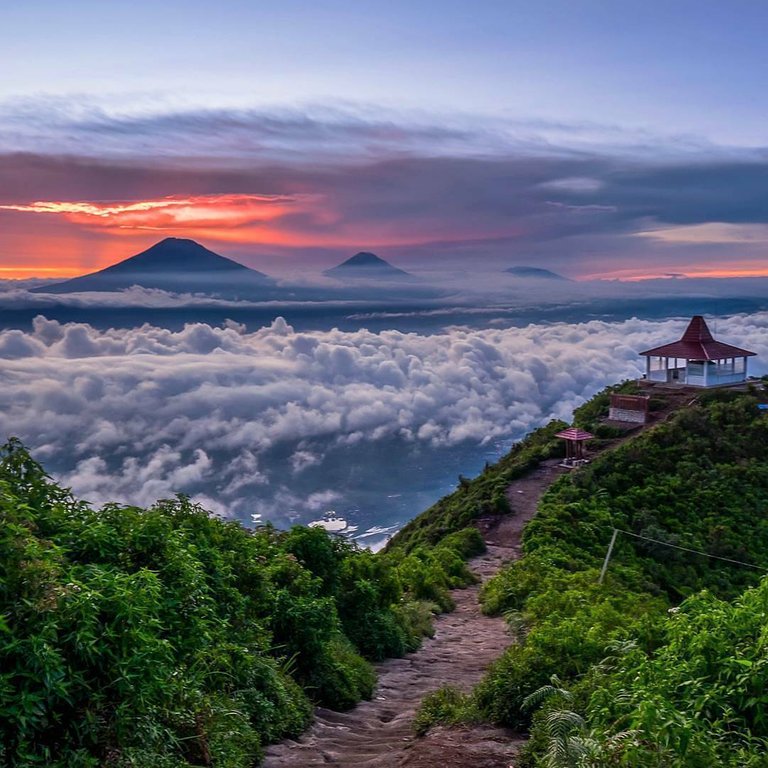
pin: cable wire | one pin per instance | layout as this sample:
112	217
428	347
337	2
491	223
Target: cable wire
694	551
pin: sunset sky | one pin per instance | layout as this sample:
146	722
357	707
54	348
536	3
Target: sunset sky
598	139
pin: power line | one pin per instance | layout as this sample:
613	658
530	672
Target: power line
616	531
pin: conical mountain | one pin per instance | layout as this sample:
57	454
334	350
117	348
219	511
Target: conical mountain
173	264
367	266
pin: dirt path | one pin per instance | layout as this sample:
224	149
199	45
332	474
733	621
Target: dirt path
523	494
378	733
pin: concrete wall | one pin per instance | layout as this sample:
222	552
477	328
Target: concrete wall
623	414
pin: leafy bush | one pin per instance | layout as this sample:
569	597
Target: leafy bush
446	705
416	618
700	699
467	543
133	636
340	676
168	637
570	623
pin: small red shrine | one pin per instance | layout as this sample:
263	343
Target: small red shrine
574	446
697	359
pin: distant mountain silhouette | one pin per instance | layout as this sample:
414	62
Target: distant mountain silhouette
367	266
534	272
176	265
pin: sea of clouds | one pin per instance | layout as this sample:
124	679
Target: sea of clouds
247	421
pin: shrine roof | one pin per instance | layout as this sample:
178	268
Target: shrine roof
574	433
697	343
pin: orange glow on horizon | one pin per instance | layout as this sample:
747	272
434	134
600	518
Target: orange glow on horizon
300	221
673	273
25	273
71	238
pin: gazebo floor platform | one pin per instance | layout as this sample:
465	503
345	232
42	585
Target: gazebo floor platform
677	387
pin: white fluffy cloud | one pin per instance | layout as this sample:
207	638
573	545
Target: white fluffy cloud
234	417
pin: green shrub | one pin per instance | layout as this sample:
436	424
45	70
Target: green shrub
341	677
445	706
570	623
697	700
168	637
416	619
467	543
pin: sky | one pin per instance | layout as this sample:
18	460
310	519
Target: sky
602	140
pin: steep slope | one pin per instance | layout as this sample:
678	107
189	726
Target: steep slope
170	637
659	673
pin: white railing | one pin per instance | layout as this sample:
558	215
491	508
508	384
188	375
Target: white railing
667	374
727	378
714	380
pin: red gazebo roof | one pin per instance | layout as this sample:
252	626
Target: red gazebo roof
574	433
697	343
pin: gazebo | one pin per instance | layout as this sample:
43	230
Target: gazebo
697	359
574	446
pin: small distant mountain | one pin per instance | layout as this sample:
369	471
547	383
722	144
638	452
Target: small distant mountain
535	273
174	264
367	266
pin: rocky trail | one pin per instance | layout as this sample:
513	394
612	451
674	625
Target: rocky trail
379	732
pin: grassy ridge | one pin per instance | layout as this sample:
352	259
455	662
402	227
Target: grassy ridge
486	494
482	496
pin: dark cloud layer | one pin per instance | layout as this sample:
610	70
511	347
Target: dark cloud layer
404	184
689	193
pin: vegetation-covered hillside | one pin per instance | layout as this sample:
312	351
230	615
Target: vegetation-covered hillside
635	684
485	496
165	637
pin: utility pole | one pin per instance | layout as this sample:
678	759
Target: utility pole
608	555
